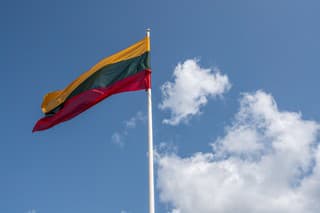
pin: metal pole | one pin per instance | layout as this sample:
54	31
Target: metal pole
150	149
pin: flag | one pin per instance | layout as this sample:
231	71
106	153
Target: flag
127	70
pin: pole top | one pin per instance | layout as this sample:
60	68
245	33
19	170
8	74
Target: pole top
148	32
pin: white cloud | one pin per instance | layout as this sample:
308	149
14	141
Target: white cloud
32	211
190	90
138	117
267	162
118	138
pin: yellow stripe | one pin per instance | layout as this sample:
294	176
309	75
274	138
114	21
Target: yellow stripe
54	99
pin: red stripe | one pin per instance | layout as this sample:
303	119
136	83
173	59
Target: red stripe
79	103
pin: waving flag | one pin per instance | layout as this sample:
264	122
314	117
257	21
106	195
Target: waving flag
127	70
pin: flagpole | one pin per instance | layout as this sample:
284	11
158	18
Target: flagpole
150	145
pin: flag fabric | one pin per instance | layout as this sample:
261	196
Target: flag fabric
127	70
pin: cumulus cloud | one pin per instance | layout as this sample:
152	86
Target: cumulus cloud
268	161
190	90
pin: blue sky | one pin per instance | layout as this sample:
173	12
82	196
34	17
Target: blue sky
267	112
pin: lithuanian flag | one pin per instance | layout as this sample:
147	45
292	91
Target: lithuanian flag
127	70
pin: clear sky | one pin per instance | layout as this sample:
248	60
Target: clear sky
235	107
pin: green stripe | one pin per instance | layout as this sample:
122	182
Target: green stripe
110	74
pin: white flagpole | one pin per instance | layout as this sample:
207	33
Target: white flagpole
150	149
